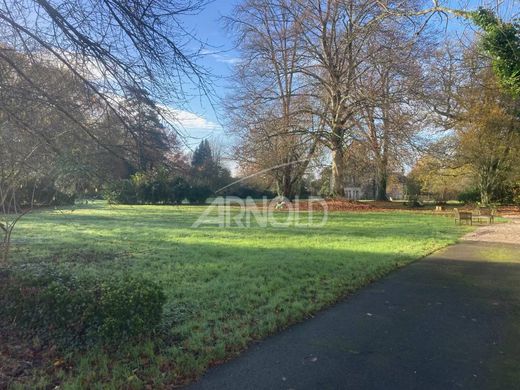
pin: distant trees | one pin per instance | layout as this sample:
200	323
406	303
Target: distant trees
161	185
488	133
69	160
438	180
46	161
481	147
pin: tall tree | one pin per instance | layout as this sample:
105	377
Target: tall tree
207	169
488	132
278	133
202	158
390	116
337	36
152	139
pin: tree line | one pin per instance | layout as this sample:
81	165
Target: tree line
373	91
325	92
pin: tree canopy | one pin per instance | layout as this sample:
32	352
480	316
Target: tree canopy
501	40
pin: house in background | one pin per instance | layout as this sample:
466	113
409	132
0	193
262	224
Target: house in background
353	193
364	187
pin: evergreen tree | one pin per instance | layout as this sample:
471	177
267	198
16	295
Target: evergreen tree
202	159
501	41
150	136
206	169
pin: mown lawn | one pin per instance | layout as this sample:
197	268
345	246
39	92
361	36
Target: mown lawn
225	286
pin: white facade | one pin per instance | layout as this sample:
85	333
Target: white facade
353	193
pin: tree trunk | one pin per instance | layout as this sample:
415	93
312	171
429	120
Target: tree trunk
337	178
487	186
288	189
485	191
381	183
485	197
286	186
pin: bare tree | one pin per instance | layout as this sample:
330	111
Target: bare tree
392	115
270	111
338	53
323	53
110	45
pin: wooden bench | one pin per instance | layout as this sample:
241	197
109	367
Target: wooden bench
484	214
463	216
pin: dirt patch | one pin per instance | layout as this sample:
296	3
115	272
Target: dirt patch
507	233
21	357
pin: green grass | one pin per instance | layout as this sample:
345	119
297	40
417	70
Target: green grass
225	286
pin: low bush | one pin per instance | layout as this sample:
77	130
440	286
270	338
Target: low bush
469	196
121	191
199	194
128	307
244	190
55	304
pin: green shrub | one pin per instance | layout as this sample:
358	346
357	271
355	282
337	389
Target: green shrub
129	307
55	304
469	196
121	191
199	194
508	193
154	189
179	190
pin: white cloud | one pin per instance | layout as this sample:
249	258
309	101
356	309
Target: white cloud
225	59
189	120
219	57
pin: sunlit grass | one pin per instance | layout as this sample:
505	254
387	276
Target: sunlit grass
225	286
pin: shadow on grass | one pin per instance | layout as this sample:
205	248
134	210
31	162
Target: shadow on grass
216	308
225	286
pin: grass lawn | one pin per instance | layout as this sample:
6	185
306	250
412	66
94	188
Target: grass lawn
225	286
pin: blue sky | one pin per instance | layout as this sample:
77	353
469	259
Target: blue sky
219	56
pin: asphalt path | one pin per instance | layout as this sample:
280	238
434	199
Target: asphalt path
448	321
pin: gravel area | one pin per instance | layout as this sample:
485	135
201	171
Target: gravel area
508	233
